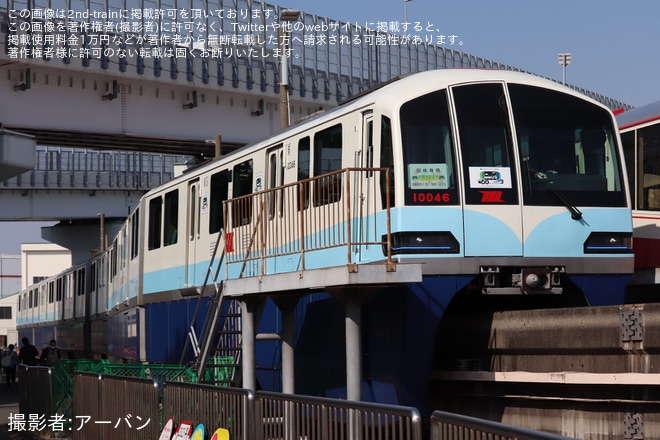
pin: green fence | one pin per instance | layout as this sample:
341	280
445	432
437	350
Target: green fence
62	377
219	370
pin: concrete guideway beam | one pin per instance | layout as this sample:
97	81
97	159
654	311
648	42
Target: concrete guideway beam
17	153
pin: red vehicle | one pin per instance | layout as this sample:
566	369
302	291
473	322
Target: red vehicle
640	134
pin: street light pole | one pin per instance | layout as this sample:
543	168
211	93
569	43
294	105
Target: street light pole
405	10
286	16
564	60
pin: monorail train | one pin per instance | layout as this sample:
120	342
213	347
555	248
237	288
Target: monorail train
640	135
503	186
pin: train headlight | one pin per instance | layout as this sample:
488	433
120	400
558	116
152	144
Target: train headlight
608	243
442	242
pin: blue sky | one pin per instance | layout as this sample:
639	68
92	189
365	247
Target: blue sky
614	45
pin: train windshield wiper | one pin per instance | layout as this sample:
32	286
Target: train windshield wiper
542	179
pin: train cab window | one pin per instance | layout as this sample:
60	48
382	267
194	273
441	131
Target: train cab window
428	155
568	151
219	193
242	186
303	171
327	158
155	220
171	217
484	131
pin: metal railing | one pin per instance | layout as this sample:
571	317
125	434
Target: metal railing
449	426
334	210
110	406
57	167
286	416
215	407
245	414
35	391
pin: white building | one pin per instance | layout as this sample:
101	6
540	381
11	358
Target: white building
41	260
36	262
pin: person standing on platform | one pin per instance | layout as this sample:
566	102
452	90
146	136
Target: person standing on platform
9	363
28	354
50	355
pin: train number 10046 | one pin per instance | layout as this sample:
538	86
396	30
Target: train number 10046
431	197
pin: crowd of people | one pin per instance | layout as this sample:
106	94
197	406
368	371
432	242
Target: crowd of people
28	355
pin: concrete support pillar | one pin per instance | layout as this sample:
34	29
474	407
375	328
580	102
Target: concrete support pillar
81	238
353	348
249	345
288	351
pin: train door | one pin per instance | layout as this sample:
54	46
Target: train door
492	217
193	231
363	189
274	202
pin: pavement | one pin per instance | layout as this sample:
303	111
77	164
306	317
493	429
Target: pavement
9	407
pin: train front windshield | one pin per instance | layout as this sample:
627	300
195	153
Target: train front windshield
566	148
566	145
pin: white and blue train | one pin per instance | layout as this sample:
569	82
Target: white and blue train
507	188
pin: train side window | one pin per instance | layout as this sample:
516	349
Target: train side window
93	279
370	147
275	177
51	292
327	158
135	234
80	282
155	214
242	208
303	172
123	247
648	145
219	193
113	260
171	218
58	290
386	160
